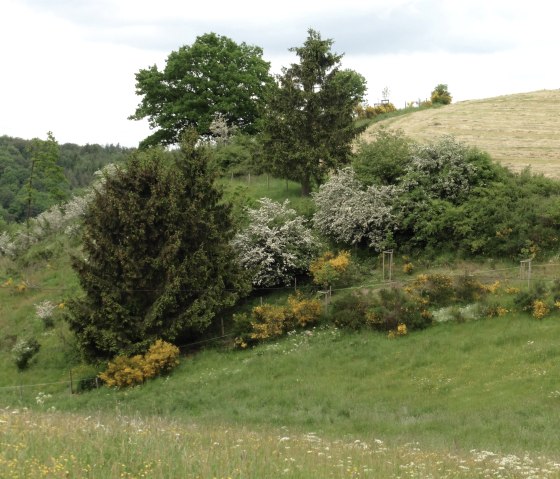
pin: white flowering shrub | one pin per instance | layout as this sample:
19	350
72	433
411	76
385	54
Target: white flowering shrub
220	129
446	170
63	217
7	245
23	352
44	311
48	221
352	214
277	244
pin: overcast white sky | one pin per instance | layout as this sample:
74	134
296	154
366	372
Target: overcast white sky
68	66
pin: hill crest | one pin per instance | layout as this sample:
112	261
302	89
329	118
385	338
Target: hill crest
517	130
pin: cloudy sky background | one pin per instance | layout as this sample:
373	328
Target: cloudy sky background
68	65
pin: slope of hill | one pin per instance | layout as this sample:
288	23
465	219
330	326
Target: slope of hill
517	130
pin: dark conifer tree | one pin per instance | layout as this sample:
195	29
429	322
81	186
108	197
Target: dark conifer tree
157	260
309	122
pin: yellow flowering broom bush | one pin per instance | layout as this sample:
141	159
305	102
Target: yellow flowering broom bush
540	309
329	268
269	321
125	371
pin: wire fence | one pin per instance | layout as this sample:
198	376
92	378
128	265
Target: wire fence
75	384
515	275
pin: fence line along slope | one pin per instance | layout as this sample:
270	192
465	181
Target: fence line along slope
517	130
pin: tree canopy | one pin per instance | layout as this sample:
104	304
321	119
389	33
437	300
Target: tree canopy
309	126
77	163
157	257
44	169
213	76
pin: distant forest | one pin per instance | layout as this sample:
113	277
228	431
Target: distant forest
78	162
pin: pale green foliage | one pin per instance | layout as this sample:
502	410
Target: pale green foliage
277	244
352	214
383	160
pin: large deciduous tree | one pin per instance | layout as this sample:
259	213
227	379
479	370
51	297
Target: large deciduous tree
157	257
309	124
212	76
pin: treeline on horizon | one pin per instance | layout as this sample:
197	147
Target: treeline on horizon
79	163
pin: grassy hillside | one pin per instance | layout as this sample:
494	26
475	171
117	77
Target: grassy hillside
517	130
460	400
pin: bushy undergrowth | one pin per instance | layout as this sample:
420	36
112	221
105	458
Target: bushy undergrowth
540	300
382	311
126	371
415	304
269	321
329	268
24	350
448	197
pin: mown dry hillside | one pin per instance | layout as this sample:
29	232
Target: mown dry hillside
517	130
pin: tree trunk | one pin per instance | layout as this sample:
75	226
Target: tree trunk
306	186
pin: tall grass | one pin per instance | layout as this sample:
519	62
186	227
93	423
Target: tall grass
55	445
484	384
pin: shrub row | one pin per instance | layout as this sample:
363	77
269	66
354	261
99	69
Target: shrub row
271	321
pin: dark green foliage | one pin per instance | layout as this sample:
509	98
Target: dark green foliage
394	307
452	198
383	311
555	290
383	161
157	258
212	76
525	299
517	217
349	311
468	289
31	178
308	123
455	198
81	162
438	289
78	164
